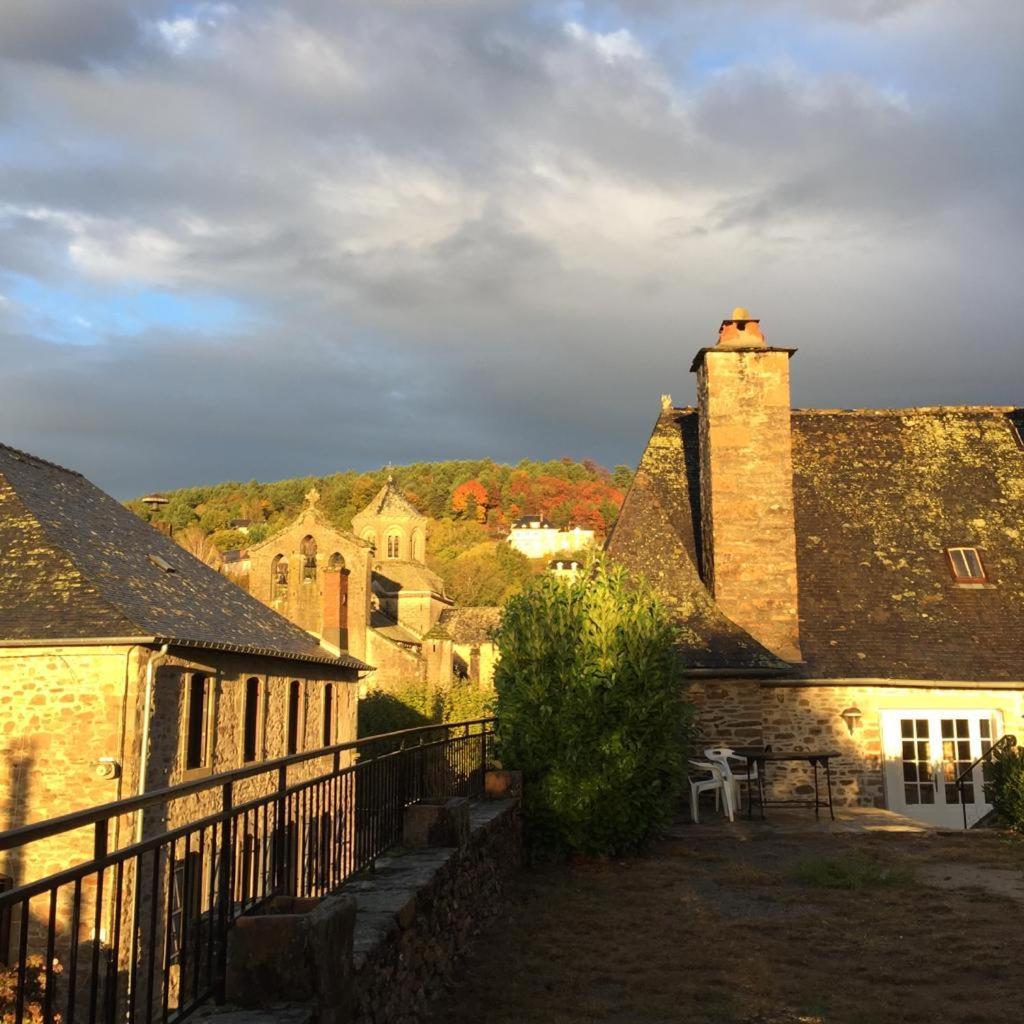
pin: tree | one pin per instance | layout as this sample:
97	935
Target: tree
590	710
471	500
199	544
622	477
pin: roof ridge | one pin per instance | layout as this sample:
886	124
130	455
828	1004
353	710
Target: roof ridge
28	457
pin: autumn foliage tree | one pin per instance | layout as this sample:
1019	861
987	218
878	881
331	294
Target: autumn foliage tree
471	501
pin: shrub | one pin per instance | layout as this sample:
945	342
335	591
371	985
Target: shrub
35	992
1004	779
590	710
411	704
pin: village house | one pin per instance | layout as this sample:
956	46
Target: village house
127	665
847	579
369	592
535	537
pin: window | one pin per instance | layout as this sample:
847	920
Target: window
1018	432
394	542
328	732
278	577
197	714
251	716
308	551
294	715
966	565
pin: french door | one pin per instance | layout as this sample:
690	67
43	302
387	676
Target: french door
924	753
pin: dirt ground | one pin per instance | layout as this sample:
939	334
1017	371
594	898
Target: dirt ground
718	927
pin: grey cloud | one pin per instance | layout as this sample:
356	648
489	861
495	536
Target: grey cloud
459	230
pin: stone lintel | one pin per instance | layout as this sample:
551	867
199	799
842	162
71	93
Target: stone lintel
698	359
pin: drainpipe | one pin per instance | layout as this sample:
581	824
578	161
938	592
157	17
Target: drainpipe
147	711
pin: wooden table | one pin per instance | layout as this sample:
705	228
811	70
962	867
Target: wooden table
760	758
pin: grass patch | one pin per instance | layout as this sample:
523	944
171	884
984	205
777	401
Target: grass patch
851	872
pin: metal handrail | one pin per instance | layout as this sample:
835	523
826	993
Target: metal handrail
140	931
1007	742
31	833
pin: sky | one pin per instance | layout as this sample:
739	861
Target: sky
257	240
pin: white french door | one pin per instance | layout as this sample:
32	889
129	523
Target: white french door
924	753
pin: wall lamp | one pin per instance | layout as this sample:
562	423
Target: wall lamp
851	716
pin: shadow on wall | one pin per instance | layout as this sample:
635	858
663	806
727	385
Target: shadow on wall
20	758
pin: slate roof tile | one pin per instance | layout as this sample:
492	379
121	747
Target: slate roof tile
76	564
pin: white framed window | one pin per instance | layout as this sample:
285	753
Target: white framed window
966	565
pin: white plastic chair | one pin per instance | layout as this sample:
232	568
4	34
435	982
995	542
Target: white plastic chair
731	778
716	783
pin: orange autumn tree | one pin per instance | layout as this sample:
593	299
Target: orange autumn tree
471	500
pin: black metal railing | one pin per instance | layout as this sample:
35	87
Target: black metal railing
966	777
139	932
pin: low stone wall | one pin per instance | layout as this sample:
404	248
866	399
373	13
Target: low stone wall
418	910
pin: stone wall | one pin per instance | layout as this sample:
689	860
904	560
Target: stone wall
303	598
392	663
417	912
804	717
809	718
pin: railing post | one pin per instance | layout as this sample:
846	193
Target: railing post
280	839
224	910
99	840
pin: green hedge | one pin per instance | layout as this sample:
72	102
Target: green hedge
411	704
590	709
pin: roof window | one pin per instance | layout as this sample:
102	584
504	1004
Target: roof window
966	565
1018	433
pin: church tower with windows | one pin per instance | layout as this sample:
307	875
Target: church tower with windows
396	529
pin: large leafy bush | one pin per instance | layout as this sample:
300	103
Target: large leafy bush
1004	777
590	709
411	704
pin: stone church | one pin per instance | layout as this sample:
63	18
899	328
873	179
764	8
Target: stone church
843	579
369	593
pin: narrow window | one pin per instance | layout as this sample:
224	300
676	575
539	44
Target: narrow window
251	720
308	549
278	577
196	738
966	565
393	545
294	708
328	715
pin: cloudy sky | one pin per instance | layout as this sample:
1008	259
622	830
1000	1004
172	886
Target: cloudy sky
261	239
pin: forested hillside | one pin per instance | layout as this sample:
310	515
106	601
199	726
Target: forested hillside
470	505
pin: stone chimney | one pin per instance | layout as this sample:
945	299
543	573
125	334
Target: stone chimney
746	483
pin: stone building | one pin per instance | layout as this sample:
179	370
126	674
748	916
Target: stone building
126	664
387	600
462	643
843	579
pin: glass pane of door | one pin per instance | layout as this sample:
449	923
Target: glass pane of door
918	784
957	756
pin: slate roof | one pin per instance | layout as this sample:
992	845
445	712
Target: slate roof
470	625
395	574
657	534
879	495
532	523
389	501
77	565
391	630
